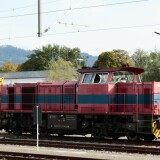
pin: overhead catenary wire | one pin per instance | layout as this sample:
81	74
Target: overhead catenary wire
26	6
81	31
68	11
76	8
107	29
49	27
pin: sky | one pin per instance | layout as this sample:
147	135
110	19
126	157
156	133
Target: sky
94	26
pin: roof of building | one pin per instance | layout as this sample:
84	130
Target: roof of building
25	74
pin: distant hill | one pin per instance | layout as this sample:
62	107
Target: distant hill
13	54
89	58
18	55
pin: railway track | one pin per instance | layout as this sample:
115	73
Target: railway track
29	156
81	139
87	146
77	140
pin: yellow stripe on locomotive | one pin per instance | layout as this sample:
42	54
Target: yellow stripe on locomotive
156	128
1	80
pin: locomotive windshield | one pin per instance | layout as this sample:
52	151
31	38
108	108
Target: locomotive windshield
95	78
123	76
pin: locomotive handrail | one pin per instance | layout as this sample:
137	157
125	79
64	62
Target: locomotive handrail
113	104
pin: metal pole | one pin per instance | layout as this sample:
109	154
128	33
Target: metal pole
39	19
37	131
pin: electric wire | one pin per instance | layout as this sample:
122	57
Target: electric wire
77	8
26	6
107	29
81	31
67	12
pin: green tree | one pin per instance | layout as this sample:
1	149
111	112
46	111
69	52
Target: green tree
41	57
152	72
140	58
150	62
113	58
61	70
8	67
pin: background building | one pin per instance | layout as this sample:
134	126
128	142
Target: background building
24	77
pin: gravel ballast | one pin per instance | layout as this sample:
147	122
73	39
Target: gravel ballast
80	153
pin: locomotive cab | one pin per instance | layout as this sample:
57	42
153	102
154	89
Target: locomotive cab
117	98
98	88
123	74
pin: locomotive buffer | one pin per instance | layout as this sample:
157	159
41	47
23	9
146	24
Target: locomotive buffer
37	115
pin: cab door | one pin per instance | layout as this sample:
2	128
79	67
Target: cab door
93	93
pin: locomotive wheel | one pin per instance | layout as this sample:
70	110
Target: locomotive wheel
17	132
148	138
115	137
116	134
60	135
16	129
43	133
132	136
33	130
97	133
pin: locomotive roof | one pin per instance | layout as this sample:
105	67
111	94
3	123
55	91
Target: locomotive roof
133	69
123	68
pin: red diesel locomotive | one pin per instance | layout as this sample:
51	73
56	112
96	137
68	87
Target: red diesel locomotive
104	103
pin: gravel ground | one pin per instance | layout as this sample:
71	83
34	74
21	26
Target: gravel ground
82	153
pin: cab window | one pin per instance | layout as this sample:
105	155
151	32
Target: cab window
88	78
91	78
123	76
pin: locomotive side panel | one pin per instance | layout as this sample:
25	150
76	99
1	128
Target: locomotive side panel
112	90
49	96
93	93
133	98
11	97
69	97
24	96
127	98
156	98
156	109
145	98
93	98
4	98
